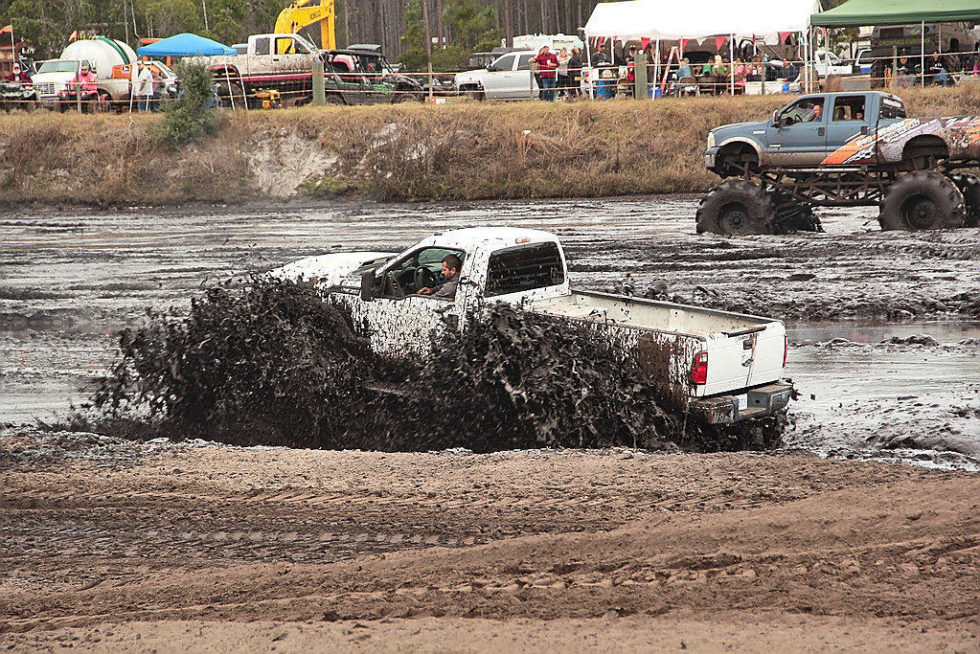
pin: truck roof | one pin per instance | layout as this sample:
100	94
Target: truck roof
850	93
488	237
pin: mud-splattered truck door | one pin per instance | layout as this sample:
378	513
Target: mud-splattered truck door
720	367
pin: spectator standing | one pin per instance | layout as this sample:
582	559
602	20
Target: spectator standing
742	72
630	78
563	84
547	68
790	72
756	68
599	58
574	72
144	88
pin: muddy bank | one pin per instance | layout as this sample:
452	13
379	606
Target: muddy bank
472	151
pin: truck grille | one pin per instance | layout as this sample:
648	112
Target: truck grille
47	88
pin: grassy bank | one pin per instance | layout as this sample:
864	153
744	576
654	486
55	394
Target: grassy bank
403	152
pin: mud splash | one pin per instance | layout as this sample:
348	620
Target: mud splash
273	364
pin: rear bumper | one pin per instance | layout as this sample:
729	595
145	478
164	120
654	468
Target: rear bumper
755	403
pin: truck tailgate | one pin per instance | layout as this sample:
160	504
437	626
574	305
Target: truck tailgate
737	360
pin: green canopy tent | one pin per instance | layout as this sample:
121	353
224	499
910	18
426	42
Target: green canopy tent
898	12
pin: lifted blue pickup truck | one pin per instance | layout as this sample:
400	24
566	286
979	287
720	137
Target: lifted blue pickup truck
842	149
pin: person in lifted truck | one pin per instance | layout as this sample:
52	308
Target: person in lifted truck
450	272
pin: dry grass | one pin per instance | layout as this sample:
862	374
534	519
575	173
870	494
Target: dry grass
400	152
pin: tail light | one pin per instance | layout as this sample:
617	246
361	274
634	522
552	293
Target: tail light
785	349
699	368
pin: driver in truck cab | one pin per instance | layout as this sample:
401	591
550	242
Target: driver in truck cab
450	272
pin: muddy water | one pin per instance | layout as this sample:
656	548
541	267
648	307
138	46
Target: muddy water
69	279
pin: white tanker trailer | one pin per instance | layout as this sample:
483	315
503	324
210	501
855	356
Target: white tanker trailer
110	59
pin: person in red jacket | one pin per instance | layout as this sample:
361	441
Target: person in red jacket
547	70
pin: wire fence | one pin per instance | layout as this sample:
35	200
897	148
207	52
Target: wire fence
895	71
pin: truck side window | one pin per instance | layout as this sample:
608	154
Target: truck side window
524	63
285	46
417	270
523	268
891	108
504	63
849	107
262	45
801	111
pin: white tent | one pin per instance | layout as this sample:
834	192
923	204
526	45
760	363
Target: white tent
668	19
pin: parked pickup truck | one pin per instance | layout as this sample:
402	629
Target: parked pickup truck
716	366
509	77
843	149
280	62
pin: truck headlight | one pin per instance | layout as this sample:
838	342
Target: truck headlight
711	139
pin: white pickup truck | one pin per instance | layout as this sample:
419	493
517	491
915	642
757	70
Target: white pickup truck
281	62
716	366
509	77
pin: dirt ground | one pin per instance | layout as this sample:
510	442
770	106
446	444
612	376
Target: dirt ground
111	545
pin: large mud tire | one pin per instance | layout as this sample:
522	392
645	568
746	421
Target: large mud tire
736	206
969	186
922	200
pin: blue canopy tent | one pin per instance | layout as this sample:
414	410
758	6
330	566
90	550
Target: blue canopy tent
184	45
189	45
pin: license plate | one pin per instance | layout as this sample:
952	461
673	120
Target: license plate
743	401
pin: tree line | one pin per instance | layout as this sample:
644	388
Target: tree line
456	27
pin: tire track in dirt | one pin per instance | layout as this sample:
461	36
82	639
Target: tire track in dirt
830	554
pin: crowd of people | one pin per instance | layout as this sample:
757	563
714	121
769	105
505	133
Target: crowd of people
720	75
558	75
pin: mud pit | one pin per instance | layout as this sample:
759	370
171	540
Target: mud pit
106	542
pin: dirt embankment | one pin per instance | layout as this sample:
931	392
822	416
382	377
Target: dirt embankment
114	545
472	151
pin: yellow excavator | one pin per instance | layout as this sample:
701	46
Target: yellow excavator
303	13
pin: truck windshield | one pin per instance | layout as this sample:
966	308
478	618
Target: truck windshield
523	268
59	66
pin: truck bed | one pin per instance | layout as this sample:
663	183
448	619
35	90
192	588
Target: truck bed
650	314
743	352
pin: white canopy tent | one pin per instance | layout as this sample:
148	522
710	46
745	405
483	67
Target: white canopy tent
668	19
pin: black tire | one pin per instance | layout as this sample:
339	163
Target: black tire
405	95
922	200
969	186
736	206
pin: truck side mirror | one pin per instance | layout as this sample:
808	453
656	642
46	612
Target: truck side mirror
775	118
367	285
